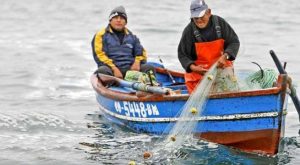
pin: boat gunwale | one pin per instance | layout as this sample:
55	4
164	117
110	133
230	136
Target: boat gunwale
118	95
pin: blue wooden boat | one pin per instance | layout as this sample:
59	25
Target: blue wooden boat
251	121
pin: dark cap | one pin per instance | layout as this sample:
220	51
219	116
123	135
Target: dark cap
118	11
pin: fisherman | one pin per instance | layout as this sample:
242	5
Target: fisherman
206	39
116	49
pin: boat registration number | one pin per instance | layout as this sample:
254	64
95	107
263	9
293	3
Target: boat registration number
134	109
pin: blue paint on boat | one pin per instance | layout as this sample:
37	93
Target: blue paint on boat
215	107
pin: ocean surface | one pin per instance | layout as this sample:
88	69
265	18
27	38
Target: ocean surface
48	111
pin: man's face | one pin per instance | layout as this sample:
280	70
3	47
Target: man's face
118	23
202	22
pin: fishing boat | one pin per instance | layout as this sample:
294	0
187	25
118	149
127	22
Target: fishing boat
251	121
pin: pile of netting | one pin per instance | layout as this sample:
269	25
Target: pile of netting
226	81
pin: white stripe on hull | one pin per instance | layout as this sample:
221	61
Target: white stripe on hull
200	118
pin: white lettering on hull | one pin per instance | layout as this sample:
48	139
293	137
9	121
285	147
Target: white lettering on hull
134	109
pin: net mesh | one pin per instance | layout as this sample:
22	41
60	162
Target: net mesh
181	132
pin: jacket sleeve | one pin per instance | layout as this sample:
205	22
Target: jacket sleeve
98	49
232	43
139	52
185	49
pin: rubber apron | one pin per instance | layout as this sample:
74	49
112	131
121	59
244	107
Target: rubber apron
207	54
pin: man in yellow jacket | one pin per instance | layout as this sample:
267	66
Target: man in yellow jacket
116	49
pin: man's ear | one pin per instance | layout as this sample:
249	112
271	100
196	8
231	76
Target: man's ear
209	12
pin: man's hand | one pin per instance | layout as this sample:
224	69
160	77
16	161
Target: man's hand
222	60
198	69
136	66
117	72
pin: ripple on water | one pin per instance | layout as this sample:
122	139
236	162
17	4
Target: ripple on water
115	144
36	122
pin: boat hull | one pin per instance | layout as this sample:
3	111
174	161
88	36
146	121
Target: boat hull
252	128
252	121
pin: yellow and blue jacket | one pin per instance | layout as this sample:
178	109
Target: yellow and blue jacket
108	50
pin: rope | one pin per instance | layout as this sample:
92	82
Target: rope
264	79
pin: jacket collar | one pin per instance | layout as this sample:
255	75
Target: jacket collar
109	29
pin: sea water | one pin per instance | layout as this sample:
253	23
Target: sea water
48	110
